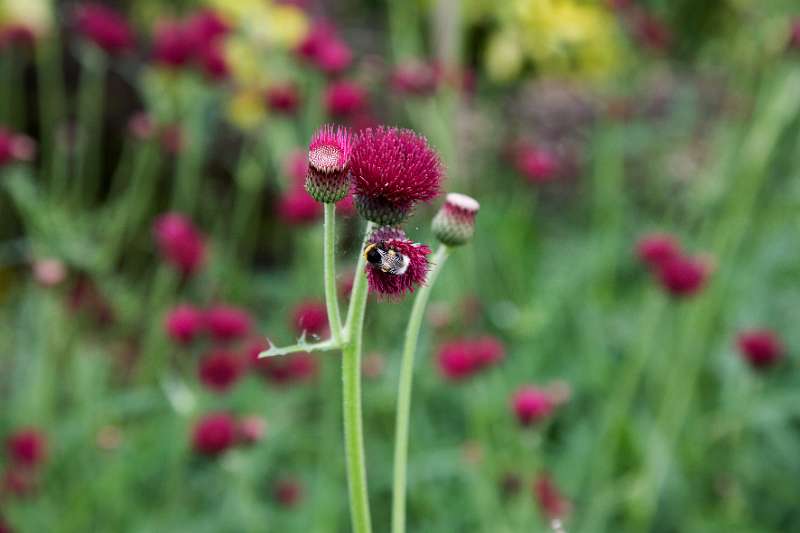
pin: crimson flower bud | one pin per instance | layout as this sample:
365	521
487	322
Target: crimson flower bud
532	405
761	348
214	434
27	447
328	179
184	323
454	224
220	370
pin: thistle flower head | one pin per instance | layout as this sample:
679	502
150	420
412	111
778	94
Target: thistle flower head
761	348
27	447
454	224
683	276
227	323
655	249
180	242
328	179
393	169
104	27
551	502
184	323
463	358
395	265
214	433
220	370
532	404
345	98
310	317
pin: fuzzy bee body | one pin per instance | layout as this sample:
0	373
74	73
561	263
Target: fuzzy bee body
387	260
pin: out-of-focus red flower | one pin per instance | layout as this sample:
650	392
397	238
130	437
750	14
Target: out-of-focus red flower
220	370
345	98
298	208
206	26
15	147
288	492
173	44
415	78
310	317
27	447
761	348
536	164
5	527
651	32
683	276
212	61
184	323
104	27
463	358
552	504
655	249
288	369
283	99
295	167
252	429
794	34
227	323
180	243
16	35
324	49
214	433
531	405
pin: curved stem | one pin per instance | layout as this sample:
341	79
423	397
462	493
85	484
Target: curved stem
404	393
351	402
331	300
359	281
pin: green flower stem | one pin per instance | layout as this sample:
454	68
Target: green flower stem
351	401
91	98
329	247
404	392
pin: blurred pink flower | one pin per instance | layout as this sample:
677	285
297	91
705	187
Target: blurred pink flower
288	492
288	369
794	34
416	78
180	243
206	26
49	272
324	49
173	44
104	27
220	370
683	276
552	504
344	98
531	405
463	358
184	323
27	447
536	164
297	208
283	99
214	433
761	348
311	317
18	481
655	249
141	126
212	61
251	429
15	147
227	323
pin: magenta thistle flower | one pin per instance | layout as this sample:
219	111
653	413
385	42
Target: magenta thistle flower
220	370
794	34
15	147
345	98
104	27
393	169
310	317
683	276
298	208
328	179
454	224
461	359
227	323
180	242
27	447
536	164
184	323
532	405
214	434
761	348
288	369
174	45
283	99
416	78
206	26
395	265
655	249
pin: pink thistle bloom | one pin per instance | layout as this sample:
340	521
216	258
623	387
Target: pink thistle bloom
345	98
16	34
409	260
532	405
227	323
655	249
214	433
289	369
288	492
251	429
488	351
329	152
173	44
416	78
180	243
104	27
462	359
15	147
27	447
319	34
683	276
184	323
17	481
206	26
393	169
761	348
334	57
551	502
298	208
536	164
283	99
220	370
212	61
49	272
310	317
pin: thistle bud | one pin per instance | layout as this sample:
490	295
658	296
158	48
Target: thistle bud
454	224
328	178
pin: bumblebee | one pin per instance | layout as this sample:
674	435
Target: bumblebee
387	260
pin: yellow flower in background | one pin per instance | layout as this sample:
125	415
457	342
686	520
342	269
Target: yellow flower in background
245	61
557	36
36	15
263	22
246	109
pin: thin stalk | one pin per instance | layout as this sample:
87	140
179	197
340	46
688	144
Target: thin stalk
351	403
359	281
91	98
404	392
329	246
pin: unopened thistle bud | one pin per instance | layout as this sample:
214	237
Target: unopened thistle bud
328	177
454	224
